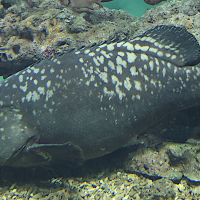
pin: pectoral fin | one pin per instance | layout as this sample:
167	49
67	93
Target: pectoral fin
44	154
15	132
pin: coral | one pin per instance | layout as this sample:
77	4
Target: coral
28	31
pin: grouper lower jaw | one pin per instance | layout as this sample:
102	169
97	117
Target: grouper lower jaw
90	102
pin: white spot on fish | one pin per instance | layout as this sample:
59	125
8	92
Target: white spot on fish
14	86
111	65
35	70
23	99
121	62
127	83
87	51
100	59
28	96
137	47
153	82
145	87
138	85
160	53
41	90
35	82
131	57
121	53
43	71
28	71
156	61
143	57
91	54
145	67
84	72
110	47
51	110
133	71
35	96
150	39
144	48
48	83
151	65
49	94
43	77
129	46
164	72
103	45
96	62
117	83
169	65
52	70
24	88
146	78
81	60
102	75
34	112
20	78
105	54
138	97
152	49
119	69
77	52
109	93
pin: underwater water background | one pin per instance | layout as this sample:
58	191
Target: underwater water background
135	7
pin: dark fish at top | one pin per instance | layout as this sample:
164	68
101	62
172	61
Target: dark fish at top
153	2
88	103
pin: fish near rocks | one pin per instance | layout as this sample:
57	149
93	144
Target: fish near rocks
90	102
153	2
76	4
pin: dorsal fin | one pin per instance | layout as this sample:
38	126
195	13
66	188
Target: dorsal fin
170	43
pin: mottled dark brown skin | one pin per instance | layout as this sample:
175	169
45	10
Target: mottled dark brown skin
153	2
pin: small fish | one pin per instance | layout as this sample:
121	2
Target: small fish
153	2
76	4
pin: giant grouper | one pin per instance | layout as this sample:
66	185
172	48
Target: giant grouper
90	102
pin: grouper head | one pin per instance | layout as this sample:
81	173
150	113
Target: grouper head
16	137
19	147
